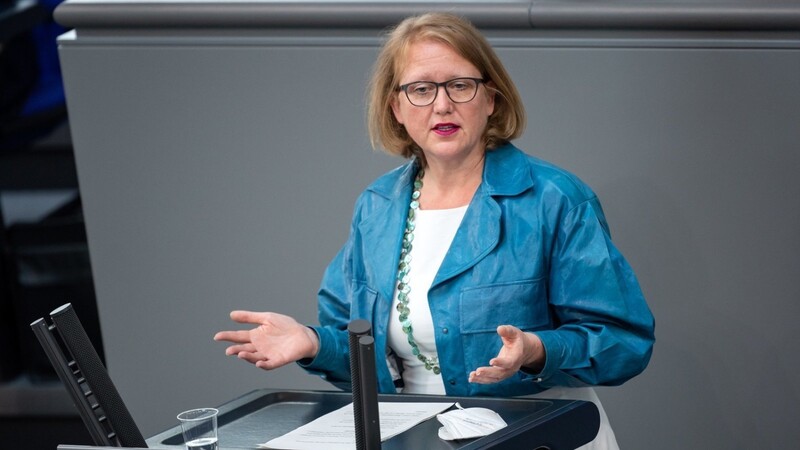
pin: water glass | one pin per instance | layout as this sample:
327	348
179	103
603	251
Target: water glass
199	428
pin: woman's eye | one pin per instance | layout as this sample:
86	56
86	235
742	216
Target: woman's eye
420	89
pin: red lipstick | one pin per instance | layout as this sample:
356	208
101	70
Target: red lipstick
445	129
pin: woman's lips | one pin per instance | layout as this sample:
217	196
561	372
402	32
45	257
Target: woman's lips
445	129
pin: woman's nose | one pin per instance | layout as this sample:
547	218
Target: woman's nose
442	103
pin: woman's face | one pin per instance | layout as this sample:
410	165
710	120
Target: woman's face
447	132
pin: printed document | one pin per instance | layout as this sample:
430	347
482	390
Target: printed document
336	431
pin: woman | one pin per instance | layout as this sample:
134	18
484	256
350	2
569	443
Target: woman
484	271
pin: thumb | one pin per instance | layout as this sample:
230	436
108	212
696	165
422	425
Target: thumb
509	334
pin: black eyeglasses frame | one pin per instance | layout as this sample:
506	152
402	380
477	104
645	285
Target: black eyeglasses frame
443	84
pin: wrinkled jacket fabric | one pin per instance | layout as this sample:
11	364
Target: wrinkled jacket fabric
533	251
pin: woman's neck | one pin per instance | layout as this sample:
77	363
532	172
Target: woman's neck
452	186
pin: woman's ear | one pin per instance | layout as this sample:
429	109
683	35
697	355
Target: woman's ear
491	92
396	110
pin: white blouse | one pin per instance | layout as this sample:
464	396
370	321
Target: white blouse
433	233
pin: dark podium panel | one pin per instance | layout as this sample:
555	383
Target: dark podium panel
262	415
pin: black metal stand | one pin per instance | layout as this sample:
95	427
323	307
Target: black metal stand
364	384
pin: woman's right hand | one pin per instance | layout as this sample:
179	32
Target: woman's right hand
276	340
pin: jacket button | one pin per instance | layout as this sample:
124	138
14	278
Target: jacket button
444	330
452	382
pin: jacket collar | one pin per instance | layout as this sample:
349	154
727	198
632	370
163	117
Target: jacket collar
505	172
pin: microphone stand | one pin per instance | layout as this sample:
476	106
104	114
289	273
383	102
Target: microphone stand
364	382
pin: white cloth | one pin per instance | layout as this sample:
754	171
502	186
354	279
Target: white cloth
433	233
605	439
468	423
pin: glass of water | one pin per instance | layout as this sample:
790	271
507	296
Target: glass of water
199	428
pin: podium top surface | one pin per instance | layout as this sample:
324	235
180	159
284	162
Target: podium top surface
262	415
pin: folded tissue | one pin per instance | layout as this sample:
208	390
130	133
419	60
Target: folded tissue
469	423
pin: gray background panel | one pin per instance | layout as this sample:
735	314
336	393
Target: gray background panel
219	172
539	14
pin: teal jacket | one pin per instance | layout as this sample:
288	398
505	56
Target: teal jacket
533	251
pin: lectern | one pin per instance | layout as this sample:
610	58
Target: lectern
265	414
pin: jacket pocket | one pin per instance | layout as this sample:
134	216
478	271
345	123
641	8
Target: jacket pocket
522	304
482	309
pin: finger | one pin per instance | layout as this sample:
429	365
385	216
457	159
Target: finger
248	317
239	337
491	373
472	377
251	357
270	364
236	349
501	362
487	375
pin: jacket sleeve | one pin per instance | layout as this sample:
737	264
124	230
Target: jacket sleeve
604	331
332	362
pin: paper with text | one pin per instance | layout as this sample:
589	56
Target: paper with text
336	431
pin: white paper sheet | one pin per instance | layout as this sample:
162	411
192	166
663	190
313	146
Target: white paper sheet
336	431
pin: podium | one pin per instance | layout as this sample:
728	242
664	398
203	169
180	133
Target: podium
264	414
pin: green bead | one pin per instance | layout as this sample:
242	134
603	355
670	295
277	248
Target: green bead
415	351
415	195
421	358
405	310
403	298
401	287
403	317
417	184
414	204
437	370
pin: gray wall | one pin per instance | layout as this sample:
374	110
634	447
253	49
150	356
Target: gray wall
218	169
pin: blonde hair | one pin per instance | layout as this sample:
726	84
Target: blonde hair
506	122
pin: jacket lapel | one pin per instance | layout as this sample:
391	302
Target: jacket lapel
477	235
505	173
383	230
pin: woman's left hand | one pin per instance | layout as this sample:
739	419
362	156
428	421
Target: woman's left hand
519	349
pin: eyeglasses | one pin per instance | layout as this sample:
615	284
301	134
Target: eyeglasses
459	90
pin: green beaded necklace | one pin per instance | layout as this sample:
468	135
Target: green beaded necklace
403	269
